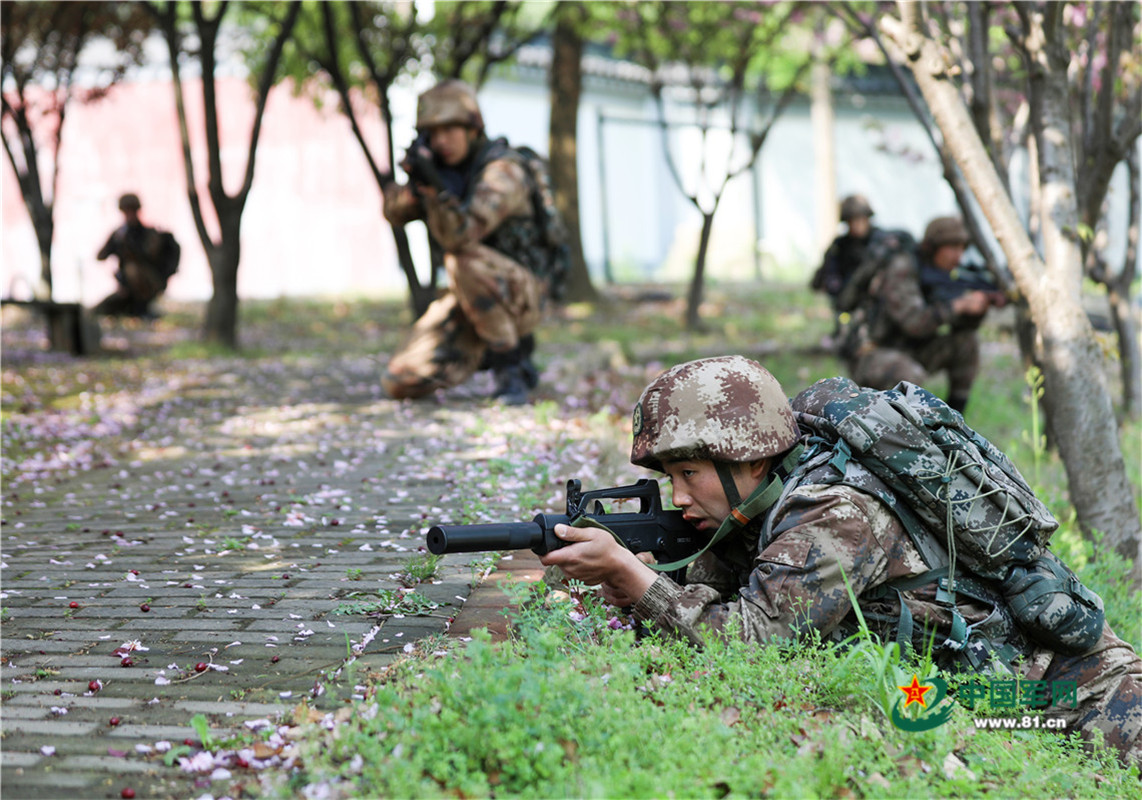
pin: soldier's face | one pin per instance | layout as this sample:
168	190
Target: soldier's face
947	256
697	489
451	143
859	227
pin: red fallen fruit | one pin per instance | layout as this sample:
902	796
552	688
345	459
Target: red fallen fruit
275	659
127	793
200	667
188	742
144	607
113	721
94	686
127	662
73	604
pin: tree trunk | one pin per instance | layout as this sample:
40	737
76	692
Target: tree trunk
694	299
1078	398
45	228
824	152
221	323
566	86
1122	310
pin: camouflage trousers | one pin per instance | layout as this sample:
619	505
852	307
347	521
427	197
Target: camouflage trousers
139	284
883	366
491	302
1109	695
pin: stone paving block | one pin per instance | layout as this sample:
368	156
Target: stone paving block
13	759
48	727
105	764
230	708
15	711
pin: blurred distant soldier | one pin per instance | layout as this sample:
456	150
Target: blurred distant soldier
484	206
846	252
147	257
920	315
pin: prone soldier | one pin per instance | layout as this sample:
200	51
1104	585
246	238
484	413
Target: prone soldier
791	545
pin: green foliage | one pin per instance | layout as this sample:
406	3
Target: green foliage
202	728
388	602
420	568
572	707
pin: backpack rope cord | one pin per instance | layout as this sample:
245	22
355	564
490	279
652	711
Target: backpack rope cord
943	493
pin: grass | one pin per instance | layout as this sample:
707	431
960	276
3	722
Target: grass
573	708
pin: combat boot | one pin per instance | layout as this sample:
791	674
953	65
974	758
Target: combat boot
512	383
530	371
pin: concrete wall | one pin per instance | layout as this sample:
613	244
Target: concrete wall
313	224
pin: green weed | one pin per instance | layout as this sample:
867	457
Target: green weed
389	602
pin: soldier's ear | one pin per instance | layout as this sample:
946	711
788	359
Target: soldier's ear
758	469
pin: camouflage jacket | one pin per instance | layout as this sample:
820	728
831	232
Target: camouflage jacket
794	583
497	199
139	244
841	260
899	311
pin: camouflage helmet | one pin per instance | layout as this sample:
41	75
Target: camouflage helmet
943	231
855	205
449	102
726	408
129	201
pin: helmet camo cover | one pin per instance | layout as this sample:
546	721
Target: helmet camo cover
726	408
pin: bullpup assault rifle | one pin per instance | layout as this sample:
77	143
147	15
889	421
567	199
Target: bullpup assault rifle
651	529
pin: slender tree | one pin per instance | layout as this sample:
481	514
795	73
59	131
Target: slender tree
732	60
566	78
223	250
41	51
1077	399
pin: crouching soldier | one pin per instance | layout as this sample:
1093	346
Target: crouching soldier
921	316
476	197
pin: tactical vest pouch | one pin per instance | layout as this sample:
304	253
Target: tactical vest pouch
1053	607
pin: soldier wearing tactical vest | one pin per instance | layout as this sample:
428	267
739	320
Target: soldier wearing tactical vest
145	263
477	204
846	252
916	321
784	541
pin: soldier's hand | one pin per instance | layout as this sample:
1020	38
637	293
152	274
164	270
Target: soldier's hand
971	304
594	557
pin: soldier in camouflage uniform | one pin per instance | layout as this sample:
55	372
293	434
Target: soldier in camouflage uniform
724	433
846	252
476	202
915	321
141	274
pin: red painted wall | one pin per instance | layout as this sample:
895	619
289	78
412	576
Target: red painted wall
312	224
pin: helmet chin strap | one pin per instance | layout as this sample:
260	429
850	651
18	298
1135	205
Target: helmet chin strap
729	485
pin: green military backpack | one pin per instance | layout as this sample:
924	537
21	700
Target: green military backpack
915	453
555	263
